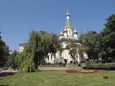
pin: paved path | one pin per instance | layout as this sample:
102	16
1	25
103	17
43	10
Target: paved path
58	68
4	73
53	68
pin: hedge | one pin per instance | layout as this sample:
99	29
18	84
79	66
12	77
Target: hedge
100	66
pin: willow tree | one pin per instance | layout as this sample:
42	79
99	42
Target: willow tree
13	59
44	47
36	49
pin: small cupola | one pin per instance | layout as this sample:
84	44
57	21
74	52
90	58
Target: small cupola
61	34
67	14
75	31
65	30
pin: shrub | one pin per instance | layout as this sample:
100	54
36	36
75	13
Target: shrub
100	66
79	65
89	62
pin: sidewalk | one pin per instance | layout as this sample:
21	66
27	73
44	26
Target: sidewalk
59	68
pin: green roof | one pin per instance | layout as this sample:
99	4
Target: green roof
67	23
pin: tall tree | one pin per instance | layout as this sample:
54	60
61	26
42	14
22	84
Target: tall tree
54	44
108	39
46	41
29	61
36	49
13	59
4	52
90	43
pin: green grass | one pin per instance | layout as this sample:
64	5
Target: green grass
59	78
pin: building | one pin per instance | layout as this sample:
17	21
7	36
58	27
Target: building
67	33
21	46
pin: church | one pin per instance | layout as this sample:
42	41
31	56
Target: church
69	34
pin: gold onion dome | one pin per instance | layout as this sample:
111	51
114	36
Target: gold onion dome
65	30
67	14
61	34
75	31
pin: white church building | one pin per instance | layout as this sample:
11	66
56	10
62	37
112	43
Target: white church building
67	33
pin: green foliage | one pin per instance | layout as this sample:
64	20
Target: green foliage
107	41
27	66
89	62
100	66
39	45
14	59
90	42
100	45
26	63
4	52
73	47
54	44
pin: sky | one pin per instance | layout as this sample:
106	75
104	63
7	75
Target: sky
19	17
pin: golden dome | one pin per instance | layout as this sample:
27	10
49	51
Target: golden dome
61	34
75	31
65	30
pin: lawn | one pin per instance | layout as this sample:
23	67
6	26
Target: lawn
59	78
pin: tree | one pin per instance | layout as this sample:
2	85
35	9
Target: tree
4	52
29	59
53	47
35	51
107	41
90	42
72	46
13	62
59	46
46	41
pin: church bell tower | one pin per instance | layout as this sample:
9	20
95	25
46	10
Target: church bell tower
68	32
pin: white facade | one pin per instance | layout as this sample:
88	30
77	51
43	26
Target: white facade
67	33
21	46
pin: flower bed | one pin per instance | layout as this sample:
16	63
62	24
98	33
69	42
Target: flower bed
82	71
